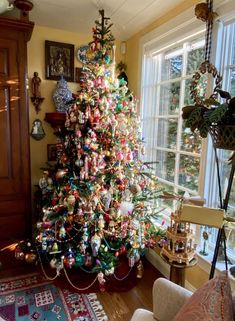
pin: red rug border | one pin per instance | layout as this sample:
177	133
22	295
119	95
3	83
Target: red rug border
23	276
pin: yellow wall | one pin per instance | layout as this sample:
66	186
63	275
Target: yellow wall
132	55
36	62
196	276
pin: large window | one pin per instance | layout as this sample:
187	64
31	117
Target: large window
184	163
173	150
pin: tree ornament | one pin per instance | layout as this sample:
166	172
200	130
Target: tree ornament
53	263
69	259
102	281
44	242
62	232
71	202
61	173
31	257
79	259
131	261
54	247
122	250
88	260
126	208
139	270
95	244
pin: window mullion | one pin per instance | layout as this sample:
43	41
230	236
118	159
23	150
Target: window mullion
179	129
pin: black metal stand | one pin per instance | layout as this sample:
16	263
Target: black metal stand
221	237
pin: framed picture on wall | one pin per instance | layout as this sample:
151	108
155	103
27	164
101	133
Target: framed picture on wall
59	60
51	152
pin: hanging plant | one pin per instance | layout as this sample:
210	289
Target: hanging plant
205	114
210	115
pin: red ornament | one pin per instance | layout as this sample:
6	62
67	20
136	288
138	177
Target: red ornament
88	261
69	261
122	249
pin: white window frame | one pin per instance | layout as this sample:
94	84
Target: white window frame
220	59
161	38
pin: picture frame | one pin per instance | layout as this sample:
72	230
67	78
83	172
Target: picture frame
59	60
51	152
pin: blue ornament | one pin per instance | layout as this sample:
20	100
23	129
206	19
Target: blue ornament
86	147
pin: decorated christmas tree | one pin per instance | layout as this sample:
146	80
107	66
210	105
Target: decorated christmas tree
100	202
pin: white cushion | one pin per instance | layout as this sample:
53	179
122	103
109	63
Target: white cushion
142	315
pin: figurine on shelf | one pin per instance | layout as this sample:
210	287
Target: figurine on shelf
37	131
36	98
36	82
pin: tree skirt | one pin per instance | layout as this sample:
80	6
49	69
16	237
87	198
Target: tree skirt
32	298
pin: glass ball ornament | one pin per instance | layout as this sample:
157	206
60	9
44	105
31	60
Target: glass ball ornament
69	261
79	259
31	257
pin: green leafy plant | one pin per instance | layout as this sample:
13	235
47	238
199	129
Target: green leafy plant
209	112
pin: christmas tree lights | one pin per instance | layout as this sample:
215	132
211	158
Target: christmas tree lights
100	202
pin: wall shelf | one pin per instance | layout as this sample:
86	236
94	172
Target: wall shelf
56	120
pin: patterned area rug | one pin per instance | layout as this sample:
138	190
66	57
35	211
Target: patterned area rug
31	298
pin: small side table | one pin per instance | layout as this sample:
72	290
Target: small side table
177	270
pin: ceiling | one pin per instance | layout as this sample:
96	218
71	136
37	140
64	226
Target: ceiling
127	16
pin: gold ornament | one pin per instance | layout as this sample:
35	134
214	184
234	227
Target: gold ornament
31	257
139	270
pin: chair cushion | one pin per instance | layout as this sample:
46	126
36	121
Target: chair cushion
211	302
142	315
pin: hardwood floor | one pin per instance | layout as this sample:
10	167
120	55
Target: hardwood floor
119	305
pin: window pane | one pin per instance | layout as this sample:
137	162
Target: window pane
169	98
232	82
233	45
225	174
230	236
167	133
149	102
165	165
190	142
189	172
148	131
172	65
195	56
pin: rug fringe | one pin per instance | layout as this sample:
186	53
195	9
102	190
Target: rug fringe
97	307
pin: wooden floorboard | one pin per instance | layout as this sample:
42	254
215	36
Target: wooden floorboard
119	306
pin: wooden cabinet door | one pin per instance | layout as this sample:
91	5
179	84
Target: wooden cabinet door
15	199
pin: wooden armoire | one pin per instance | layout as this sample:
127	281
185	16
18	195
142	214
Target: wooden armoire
15	185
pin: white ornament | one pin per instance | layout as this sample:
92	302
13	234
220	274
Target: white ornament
126	208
